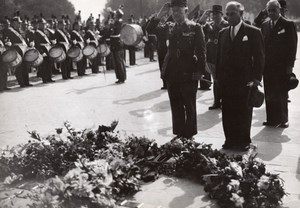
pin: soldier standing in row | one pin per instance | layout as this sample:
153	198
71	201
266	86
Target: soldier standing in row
90	38
117	47
211	31
183	66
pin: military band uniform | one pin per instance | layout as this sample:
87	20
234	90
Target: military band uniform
3	72
21	71
93	41
211	31
42	44
81	65
117	51
63	41
182	69
281	49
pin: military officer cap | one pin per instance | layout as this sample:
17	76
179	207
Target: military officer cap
62	22
119	13
282	3
42	20
217	9
292	81
17	19
179	3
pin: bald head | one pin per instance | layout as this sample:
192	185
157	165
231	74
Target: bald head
234	12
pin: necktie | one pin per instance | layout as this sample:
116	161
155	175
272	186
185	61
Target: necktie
232	33
272	25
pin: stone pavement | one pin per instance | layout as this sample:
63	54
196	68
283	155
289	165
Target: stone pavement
143	109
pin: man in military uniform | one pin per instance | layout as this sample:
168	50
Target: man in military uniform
78	40
280	38
117	47
211	31
14	37
90	38
183	66
63	41
42	44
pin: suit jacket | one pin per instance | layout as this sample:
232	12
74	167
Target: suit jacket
280	46
186	56
241	60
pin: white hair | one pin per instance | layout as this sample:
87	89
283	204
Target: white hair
274	2
238	5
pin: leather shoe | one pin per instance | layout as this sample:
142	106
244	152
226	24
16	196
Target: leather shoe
227	146
28	85
283	125
163	88
243	148
51	80
214	106
266	123
70	77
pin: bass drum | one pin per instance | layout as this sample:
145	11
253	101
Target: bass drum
20	48
131	34
103	50
90	52
57	54
33	57
12	58
75	53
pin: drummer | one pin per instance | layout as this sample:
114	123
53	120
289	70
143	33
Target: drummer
77	39
91	39
13	36
3	69
62	40
42	44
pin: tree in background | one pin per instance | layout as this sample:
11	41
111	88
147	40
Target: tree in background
35	7
140	8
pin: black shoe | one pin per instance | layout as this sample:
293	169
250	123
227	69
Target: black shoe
117	82
266	123
28	85
51	80
163	88
45	82
214	106
227	146
283	125
70	77
7	88
243	148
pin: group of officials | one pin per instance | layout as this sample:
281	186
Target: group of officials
237	54
53	39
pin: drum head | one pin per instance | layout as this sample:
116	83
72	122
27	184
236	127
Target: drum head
131	34
103	48
31	55
88	50
55	52
9	55
74	52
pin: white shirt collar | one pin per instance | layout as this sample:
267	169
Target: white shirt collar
237	27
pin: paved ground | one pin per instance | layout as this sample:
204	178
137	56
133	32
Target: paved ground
143	109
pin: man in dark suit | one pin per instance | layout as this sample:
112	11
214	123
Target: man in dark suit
281	47
183	66
240	63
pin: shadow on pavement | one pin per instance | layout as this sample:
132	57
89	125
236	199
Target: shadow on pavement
163	106
142	98
271	140
146	72
208	119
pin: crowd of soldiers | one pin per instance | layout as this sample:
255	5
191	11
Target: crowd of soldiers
54	46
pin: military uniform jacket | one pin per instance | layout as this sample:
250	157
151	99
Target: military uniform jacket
41	40
185	59
92	37
62	39
240	60
115	31
211	31
75	35
14	36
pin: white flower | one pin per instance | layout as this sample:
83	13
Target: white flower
236	168
263	182
235	184
237	200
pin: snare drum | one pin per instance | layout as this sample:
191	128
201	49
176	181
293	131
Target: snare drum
75	53
103	49
90	52
57	54
2	50
20	48
131	34
12	58
33	57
